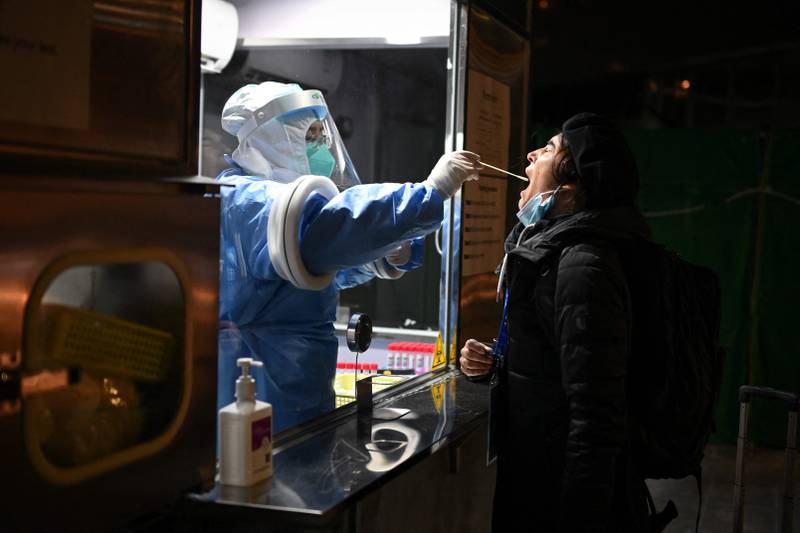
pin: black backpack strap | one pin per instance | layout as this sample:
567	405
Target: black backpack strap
659	520
651	505
698	477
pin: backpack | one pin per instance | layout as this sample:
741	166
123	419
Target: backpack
675	365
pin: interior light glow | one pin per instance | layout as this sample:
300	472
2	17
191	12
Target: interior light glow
400	38
685	84
411	22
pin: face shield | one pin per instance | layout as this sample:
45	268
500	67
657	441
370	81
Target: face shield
292	136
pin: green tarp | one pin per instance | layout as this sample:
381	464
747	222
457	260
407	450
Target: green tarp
704	194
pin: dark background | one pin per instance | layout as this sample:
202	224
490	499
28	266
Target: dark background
708	94
627	59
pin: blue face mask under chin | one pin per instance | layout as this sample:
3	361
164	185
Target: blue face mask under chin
536	209
320	159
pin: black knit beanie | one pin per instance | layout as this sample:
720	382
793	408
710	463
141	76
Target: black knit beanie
603	160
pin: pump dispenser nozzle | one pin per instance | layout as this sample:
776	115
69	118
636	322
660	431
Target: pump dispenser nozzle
245	384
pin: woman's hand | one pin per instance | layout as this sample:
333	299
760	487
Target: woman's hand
476	358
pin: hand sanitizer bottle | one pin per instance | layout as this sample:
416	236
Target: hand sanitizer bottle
245	433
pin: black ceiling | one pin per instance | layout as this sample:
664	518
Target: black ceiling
588	39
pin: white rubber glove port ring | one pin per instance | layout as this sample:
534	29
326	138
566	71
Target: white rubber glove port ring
283	230
386	271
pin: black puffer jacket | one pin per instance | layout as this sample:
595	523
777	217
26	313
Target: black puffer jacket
562	437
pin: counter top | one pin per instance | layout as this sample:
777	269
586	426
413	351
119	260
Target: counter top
317	472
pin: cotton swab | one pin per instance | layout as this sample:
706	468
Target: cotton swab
504	171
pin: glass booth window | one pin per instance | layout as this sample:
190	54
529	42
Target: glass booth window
386	113
119	331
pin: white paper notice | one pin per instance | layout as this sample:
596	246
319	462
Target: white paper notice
484	214
489	120
45	54
483	222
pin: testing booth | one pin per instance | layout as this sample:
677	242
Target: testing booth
110	141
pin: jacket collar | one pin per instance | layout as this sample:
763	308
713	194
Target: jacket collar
549	235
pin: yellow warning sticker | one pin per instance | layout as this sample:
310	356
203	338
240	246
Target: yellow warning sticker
439	358
437	391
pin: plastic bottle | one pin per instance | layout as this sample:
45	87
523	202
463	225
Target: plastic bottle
404	346
419	359
245	433
430	349
390	357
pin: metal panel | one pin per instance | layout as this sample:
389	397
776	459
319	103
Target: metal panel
500	54
454	140
44	224
128	92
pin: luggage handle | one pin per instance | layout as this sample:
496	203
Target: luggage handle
747	392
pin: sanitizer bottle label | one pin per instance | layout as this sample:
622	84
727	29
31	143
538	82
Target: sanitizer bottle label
261	446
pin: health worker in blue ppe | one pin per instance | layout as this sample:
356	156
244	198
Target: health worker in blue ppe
296	226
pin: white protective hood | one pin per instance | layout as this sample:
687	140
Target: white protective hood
272	121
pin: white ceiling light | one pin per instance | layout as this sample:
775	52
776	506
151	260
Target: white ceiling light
343	23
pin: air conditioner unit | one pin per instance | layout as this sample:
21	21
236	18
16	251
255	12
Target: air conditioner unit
218	34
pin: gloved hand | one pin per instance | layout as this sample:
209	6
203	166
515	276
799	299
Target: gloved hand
400	255
398	261
452	170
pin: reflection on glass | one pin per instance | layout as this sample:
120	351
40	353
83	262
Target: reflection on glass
387	111
391	444
119	328
345	382
117	62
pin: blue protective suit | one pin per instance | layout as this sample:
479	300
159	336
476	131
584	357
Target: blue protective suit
289	329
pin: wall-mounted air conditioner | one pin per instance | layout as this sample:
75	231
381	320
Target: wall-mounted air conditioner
219	31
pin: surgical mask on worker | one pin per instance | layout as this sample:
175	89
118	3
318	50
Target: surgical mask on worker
536	209
320	160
